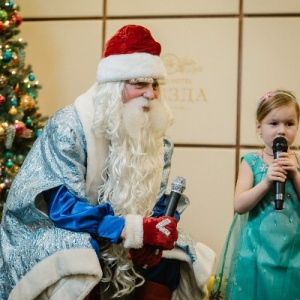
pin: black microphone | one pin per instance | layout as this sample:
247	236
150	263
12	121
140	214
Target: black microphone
279	145
177	188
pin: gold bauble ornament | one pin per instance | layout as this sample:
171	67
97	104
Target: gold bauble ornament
27	102
13	111
15	59
2	187
3	80
14	170
2	131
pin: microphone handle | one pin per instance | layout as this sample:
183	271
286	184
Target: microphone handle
279	189
276	154
279	195
172	204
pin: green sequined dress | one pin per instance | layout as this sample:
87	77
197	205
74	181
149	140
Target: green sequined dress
261	256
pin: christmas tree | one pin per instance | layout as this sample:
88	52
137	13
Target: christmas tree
20	121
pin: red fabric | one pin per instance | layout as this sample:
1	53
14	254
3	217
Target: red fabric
152	291
94	294
160	232
145	257
131	39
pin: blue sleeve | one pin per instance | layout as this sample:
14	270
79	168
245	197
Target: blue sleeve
69	213
160	207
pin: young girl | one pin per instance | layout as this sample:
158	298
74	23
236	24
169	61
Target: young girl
261	256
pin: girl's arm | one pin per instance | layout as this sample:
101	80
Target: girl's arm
246	195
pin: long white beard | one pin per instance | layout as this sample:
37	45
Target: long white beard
133	168
135	163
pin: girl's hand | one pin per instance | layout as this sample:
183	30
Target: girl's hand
289	165
276	172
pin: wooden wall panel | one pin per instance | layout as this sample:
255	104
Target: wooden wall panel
171	7
271	6
210	179
60	9
64	56
270	61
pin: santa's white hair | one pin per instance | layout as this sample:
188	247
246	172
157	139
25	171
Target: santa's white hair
133	168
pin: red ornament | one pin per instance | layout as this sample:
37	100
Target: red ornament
16	19
2	99
19	127
2	27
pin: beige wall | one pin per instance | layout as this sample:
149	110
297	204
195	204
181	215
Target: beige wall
221	58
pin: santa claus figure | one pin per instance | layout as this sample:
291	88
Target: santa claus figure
85	215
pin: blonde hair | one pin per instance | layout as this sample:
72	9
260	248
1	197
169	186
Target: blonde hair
274	100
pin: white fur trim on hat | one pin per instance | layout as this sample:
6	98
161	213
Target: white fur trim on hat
129	66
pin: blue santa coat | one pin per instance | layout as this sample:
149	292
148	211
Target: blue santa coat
32	248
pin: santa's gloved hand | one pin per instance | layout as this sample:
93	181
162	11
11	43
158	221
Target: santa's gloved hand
159	232
145	257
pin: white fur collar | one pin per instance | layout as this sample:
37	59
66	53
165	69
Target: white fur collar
97	148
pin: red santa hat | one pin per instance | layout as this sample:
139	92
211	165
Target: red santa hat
131	53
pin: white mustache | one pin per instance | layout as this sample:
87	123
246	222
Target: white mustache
136	117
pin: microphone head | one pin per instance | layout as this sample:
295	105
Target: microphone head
178	185
279	145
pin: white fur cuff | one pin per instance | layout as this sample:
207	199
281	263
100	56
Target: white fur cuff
203	266
133	231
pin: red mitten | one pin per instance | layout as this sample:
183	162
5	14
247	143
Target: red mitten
145	257
160	232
